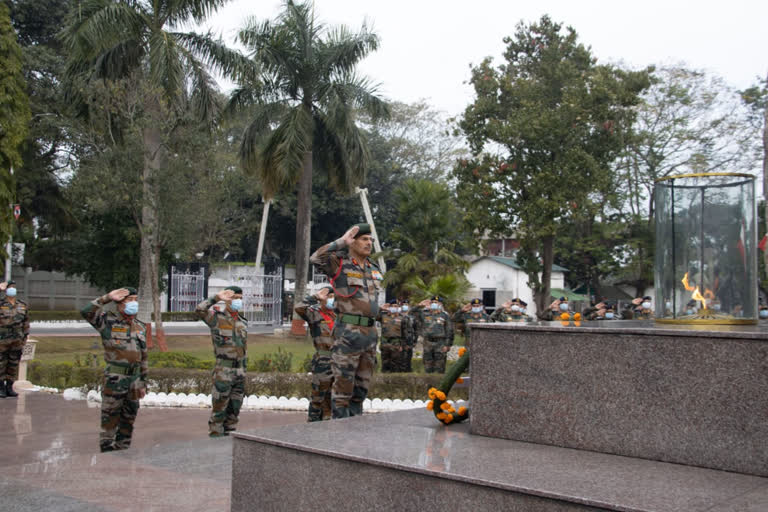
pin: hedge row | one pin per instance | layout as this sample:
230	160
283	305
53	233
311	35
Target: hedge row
60	316
182	380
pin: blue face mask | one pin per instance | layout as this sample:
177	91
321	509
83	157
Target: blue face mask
131	308
646	305
394	310
477	309
522	310
609	316
329	303
434	306
564	306
237	304
764	313
404	309
10	292
717	307
689	312
515	309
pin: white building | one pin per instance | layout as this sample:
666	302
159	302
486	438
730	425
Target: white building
497	279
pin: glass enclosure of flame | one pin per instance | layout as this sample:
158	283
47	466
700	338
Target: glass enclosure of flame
706	254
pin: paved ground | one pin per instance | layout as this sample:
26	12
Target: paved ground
49	458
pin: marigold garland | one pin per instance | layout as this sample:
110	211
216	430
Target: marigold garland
438	404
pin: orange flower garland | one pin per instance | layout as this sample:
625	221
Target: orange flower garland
438	404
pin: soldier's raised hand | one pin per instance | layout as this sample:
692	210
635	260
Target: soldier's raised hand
3	286
385	307
349	237
118	294
466	307
322	294
507	304
555	304
425	303
225	295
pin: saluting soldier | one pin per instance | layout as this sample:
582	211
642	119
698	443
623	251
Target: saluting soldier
125	352
436	329
396	337
511	311
356	281
229	333
318	311
14	331
472	312
557	308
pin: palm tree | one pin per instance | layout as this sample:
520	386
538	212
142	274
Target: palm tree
117	39
303	110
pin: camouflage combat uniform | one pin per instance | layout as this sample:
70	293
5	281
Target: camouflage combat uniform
320	321
229	332
357	286
408	352
464	318
125	352
436	329
14	330
397	337
507	315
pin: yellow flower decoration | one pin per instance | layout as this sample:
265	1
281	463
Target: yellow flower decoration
445	406
462	351
440	395
459	381
430	405
448	418
565	316
577	316
462	410
441	415
451	410
431	393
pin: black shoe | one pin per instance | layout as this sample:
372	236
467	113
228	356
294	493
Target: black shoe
10	393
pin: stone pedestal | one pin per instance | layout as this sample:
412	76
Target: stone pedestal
697	397
26	356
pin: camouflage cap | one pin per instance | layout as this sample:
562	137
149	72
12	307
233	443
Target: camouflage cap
235	289
365	229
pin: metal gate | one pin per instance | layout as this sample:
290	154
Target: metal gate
187	289
262	296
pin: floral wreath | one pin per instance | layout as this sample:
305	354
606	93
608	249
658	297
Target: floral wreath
439	404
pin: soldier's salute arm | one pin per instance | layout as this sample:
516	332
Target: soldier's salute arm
326	259
204	312
450	334
93	311
301	308
26	324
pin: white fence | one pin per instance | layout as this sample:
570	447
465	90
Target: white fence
262	296
187	289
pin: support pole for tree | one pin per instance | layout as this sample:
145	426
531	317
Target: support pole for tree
262	233
369	219
9	248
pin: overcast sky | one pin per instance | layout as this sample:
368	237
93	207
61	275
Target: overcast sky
427	46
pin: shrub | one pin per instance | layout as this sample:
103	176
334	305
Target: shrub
177	360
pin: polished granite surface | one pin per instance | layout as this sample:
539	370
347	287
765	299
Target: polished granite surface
49	458
414	442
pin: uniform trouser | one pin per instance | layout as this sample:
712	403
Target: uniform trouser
10	357
352	366
391	353
118	412
406	357
322	381
434	357
227	398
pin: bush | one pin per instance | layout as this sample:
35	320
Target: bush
282	361
53	316
178	360
64	375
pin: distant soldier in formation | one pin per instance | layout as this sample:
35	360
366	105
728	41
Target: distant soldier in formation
229	332
557	308
14	331
405	310
318	311
125	352
644	311
436	329
356	281
396	337
511	311
762	312
472	312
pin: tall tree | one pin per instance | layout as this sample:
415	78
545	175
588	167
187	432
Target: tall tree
14	112
116	39
552	119
303	110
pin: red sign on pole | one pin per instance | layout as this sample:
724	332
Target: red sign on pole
16	211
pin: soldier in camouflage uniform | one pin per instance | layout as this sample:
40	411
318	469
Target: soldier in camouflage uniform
357	284
407	356
125	352
396	336
472	312
318	312
14	330
436	329
229	332
511	311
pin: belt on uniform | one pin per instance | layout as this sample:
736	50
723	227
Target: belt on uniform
364	321
124	370
230	363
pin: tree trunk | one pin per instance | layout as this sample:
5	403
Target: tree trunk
149	291
765	172
303	231
548	254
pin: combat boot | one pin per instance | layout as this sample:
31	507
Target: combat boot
2	390
9	392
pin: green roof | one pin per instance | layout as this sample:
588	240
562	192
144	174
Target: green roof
512	262
569	294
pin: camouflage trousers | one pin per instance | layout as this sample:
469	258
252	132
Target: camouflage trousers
119	407
10	357
393	355
227	398
322	382
434	357
353	358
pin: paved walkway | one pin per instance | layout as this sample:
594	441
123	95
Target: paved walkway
49	458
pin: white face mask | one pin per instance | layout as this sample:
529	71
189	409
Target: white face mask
515	309
609	316
522	310
564	306
668	305
394	310
434	306
10	292
404	309
689	312
646	305
764	313
329	303
717	307
477	309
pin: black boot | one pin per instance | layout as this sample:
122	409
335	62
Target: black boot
10	393
2	389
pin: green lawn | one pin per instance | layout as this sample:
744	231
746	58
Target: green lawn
55	349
